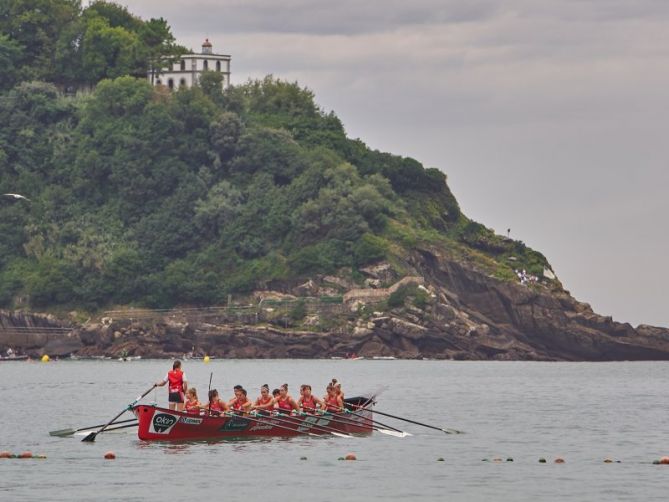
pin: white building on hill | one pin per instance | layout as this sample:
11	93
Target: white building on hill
187	71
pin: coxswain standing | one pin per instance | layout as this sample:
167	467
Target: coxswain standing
284	403
265	402
177	386
307	401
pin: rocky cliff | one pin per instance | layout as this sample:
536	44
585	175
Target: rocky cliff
444	308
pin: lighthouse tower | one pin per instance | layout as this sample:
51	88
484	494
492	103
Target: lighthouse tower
186	72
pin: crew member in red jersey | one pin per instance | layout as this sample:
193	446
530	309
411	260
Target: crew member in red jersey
307	401
177	386
264	403
284	403
333	401
192	404
241	403
237	389
216	405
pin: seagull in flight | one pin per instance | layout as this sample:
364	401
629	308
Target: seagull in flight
16	196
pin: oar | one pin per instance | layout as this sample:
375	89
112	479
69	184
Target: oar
208	391
121	427
447	431
313	425
69	432
347	421
91	437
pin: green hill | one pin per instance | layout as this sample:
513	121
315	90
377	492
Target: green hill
147	197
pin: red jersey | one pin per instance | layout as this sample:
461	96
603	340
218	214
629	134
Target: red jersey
175	380
238	405
192	407
308	403
332	403
216	406
284	405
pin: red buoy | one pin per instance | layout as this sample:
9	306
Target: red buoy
26	454
351	456
110	455
664	460
5	454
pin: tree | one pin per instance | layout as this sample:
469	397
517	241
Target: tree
160	48
10	57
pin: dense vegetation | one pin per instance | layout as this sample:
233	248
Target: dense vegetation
139	195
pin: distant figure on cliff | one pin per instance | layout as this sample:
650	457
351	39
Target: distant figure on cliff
177	386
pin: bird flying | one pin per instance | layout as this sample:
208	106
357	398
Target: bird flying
16	196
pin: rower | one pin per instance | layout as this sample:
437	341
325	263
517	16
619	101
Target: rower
337	386
333	402
192	404
284	403
216	405
265	402
241	404
177	386
307	401
237	391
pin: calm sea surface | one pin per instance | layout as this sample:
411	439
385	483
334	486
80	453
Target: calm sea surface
582	412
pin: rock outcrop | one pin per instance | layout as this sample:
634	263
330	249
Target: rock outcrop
464	314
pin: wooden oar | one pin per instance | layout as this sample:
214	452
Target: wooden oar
447	431
69	432
91	437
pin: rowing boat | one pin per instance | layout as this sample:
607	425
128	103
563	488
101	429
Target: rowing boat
162	424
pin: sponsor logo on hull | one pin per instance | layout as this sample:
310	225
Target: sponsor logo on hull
190	420
235	424
162	423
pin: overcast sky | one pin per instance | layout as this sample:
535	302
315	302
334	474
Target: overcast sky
548	116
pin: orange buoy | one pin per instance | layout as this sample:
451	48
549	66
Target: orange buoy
350	456
5	454
496	459
664	460
559	460
26	454
110	455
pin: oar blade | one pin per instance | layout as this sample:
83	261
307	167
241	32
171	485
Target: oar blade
400	434
90	437
62	432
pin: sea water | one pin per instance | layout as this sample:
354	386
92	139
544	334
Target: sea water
581	412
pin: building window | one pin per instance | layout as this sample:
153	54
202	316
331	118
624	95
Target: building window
182	82
218	66
183	65
205	65
158	82
170	84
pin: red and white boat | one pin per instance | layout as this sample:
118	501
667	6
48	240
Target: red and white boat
162	424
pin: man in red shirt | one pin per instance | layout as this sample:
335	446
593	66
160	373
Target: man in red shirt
177	386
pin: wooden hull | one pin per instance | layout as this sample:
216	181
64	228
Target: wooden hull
162	424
